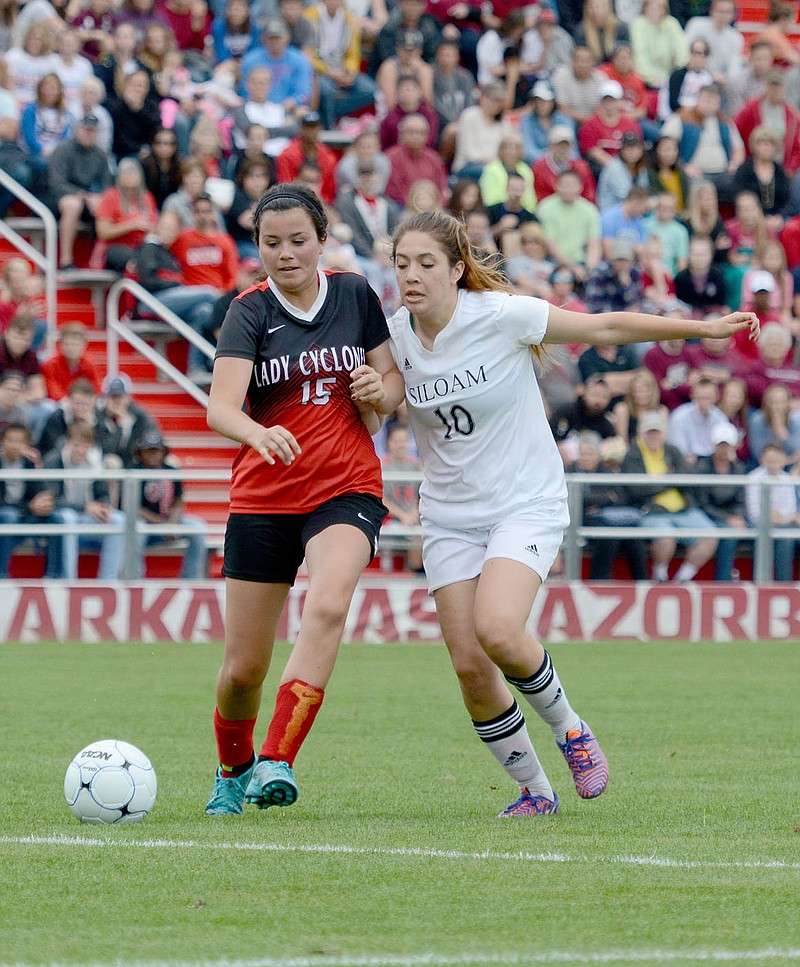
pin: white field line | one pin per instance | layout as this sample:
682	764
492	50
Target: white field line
491	855
472	960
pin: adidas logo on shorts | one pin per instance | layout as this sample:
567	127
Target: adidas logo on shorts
532	548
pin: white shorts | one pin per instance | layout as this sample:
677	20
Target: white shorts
532	539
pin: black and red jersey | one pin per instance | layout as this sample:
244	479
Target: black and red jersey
301	380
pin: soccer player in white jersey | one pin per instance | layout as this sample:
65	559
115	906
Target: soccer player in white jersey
494	499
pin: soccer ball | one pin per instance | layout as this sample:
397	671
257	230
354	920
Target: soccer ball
110	782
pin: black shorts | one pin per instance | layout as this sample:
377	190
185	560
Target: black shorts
269	548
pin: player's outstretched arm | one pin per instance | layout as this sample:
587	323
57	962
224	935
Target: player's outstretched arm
226	416
616	328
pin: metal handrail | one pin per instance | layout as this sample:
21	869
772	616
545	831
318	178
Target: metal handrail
47	262
130	505
763	533
117	329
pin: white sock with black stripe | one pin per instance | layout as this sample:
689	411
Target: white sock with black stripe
546	697
506	737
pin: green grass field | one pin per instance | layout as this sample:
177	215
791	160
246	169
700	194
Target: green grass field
393	854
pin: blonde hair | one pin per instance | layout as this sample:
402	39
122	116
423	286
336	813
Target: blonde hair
205	126
702	224
423	186
763	132
479	274
654	403
601	48
529	231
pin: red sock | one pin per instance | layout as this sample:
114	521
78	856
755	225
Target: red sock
234	741
296	708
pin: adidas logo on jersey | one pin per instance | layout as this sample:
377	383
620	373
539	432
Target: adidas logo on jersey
532	548
407	365
514	758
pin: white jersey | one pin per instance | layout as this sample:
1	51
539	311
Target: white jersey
477	413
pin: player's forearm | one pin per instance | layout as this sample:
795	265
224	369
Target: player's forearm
394	392
615	328
372	420
232	423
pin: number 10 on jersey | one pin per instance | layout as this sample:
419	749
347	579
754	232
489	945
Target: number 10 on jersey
460	421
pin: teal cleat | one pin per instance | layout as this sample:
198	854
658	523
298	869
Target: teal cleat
227	797
272	784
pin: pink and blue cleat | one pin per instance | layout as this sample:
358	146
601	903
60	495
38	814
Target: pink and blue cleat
529	805
586	762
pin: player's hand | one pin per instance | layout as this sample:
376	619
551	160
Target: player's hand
367	386
735	322
277	441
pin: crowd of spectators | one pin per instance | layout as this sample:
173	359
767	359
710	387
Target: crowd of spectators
60	414
643	154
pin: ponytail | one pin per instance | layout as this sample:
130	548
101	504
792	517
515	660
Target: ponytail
480	271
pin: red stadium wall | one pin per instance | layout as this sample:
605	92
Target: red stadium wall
400	610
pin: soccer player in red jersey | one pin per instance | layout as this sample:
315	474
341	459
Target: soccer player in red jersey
309	352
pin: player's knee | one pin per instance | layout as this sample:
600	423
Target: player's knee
327	610
497	635
471	678
242	674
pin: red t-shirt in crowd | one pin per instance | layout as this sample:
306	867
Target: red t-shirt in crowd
672	373
290	160
545	176
181	23
633	87
790	240
207	259
112	208
594	133
59	375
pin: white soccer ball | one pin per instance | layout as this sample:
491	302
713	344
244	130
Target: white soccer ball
110	782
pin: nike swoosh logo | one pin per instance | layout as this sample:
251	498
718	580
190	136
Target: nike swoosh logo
270	331
365	518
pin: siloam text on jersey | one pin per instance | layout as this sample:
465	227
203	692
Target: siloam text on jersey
445	385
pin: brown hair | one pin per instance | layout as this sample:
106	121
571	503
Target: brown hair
479	274
60	106
192	164
22	320
73	329
767	402
602	47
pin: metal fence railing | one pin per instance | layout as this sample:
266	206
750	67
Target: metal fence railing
762	534
119	330
130	487
45	261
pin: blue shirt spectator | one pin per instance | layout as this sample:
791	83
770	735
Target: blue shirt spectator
625	221
291	70
535	126
233	32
